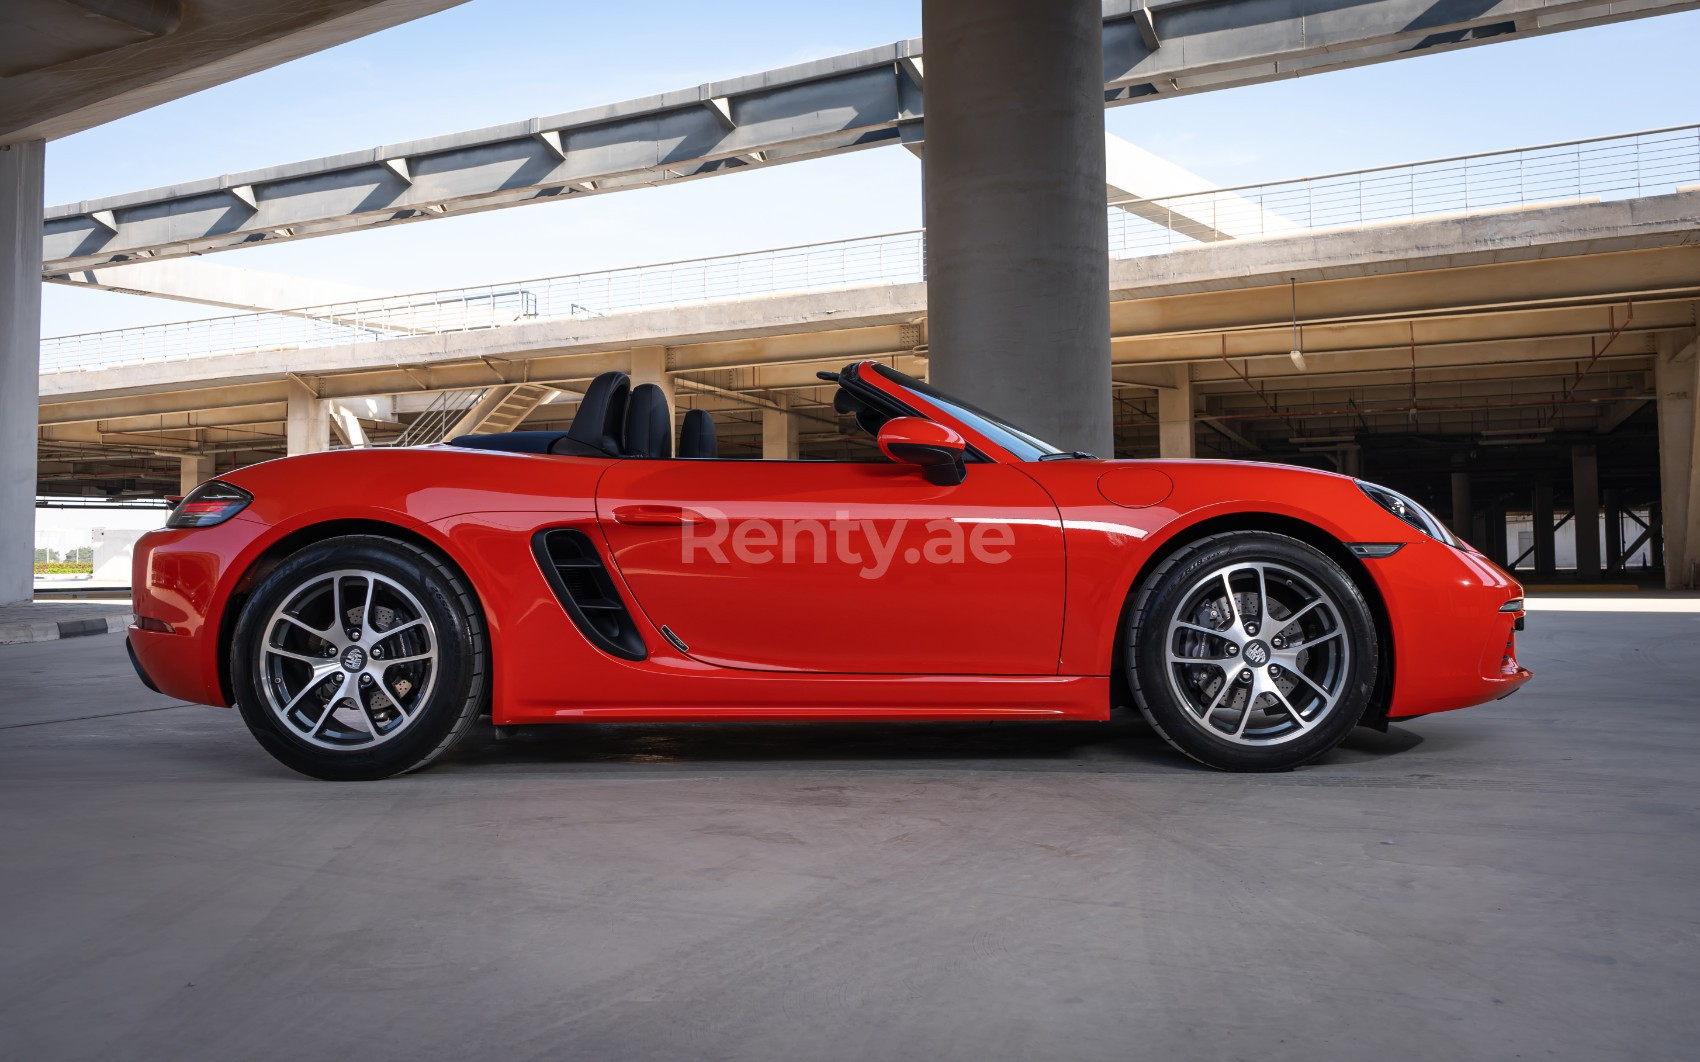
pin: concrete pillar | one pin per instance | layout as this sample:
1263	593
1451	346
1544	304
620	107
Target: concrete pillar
193	470
1546	551
20	362
1585	503
1352	460
309	424
1677	375
1614	530
1175	433
778	435
649	365
1018	309
1461	521
1493	538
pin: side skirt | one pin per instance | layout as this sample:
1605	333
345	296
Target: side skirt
872	698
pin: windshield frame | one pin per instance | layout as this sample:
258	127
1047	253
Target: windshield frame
1019	444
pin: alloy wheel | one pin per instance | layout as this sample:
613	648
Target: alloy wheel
1257	654
348	660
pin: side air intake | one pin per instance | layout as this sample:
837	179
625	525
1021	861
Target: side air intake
575	570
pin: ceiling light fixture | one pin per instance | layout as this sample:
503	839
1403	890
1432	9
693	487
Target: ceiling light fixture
1297	353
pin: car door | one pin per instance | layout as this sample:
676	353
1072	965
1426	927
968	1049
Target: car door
841	567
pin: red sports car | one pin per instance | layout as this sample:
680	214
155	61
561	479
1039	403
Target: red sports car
364	607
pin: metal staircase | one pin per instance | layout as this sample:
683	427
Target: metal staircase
500	409
475	411
434	424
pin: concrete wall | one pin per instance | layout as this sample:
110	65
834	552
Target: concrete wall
113	549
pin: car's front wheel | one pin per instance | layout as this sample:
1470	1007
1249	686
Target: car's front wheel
359	657
1251	651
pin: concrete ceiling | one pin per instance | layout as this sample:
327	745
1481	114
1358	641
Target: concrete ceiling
67	65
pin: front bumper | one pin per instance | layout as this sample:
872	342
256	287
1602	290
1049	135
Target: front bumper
1453	647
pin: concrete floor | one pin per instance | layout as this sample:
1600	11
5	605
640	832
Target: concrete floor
1520	880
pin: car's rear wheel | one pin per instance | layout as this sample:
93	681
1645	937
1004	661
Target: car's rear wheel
1251	651
360	657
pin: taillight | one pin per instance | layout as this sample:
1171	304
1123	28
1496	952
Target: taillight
208	504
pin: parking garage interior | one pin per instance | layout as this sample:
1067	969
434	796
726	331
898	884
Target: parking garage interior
1507	383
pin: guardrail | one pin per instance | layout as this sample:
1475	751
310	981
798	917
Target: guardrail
1654	162
1635	164
894	258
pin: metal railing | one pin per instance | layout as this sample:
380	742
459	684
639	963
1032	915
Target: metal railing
434	423
1655	162
895	258
1635	164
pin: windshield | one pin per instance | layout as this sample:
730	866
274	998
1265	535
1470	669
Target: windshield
1020	444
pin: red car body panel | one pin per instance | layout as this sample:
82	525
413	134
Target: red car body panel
1030	636
746	614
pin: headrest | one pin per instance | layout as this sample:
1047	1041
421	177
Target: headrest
697	437
845	402
601	416
868	418
649	431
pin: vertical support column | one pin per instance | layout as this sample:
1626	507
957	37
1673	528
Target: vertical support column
20	362
1656	540
1175	432
193	470
649	365
1614	530
1677	375
778	435
309	424
1585	503
1546	552
1352	459
1461	519
1493	540
1018	307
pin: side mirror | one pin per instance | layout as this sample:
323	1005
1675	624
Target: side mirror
935	448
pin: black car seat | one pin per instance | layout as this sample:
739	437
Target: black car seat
649	431
697	437
600	424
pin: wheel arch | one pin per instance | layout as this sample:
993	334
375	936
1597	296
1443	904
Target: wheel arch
1310	534
297	540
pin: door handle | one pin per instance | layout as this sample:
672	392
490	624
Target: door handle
657	516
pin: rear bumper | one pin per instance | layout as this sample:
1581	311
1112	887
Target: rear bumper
180	582
141	672
1453	647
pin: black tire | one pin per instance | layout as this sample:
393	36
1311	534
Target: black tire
1194	702
270	672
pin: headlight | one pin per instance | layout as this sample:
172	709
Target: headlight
210	503
1408	511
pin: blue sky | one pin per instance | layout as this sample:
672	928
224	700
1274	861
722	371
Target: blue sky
492	61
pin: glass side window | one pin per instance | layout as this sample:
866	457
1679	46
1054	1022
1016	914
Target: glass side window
1023	446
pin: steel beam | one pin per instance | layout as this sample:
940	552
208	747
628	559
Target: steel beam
843	103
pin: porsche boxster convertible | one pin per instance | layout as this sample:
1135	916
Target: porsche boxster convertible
364	608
